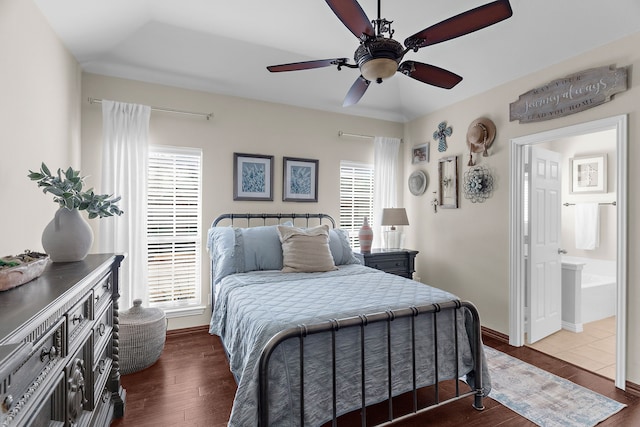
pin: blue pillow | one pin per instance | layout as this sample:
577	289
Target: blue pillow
221	245
257	248
238	250
340	248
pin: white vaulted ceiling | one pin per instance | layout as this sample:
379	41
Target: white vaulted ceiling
224	46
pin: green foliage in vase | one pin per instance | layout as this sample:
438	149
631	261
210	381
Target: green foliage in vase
66	187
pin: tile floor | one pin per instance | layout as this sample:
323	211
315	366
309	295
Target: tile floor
593	349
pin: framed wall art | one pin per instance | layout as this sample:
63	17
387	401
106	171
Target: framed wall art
588	174
252	177
448	182
420	154
300	180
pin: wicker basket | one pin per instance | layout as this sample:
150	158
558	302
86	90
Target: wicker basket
142	337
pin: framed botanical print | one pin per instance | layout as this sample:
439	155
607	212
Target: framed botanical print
588	174
252	177
300	180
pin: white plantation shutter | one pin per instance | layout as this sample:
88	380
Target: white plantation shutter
356	198
173	226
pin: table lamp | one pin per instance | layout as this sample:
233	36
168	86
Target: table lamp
393	217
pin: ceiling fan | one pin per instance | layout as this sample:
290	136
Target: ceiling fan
379	57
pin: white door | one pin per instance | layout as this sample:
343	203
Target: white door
545	267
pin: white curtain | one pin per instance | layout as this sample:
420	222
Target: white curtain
125	148
384	181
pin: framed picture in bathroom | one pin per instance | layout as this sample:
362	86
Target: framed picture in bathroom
588	174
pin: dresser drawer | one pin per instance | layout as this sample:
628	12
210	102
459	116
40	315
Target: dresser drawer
101	370
391	263
102	328
44	412
102	291
78	318
23	390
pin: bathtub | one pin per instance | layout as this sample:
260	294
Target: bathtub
588	291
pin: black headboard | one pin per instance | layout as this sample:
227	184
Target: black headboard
277	217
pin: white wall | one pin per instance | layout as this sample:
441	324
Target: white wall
466	250
39	120
239	125
592	144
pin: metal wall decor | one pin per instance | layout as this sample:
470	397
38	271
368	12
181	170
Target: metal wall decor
441	135
569	95
418	183
478	184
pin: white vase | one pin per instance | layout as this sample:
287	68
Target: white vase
68	237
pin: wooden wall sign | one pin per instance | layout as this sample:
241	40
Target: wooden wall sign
569	95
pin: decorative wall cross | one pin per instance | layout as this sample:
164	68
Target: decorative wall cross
441	135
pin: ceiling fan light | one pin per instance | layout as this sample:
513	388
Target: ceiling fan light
378	69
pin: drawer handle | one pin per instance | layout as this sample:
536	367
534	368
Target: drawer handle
52	353
102	328
107	284
7	403
77	318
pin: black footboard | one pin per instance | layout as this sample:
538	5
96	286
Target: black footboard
362	322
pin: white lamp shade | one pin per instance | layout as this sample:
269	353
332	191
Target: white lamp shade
394	216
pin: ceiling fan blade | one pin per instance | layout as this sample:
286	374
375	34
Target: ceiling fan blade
353	17
459	25
306	65
430	74
358	89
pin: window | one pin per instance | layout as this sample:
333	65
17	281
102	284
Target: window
356	198
173	227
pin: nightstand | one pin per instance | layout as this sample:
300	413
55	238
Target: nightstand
394	261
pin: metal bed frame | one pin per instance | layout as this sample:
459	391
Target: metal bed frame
362	321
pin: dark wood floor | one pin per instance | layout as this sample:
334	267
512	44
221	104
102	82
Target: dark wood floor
191	386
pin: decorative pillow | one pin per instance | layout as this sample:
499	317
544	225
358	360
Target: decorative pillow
258	248
340	248
221	250
305	250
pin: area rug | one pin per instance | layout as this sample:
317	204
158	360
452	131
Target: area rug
544	398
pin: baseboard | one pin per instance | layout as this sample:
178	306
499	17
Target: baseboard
490	333
632	388
184	331
572	327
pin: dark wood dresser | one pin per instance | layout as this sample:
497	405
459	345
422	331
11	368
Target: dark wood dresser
395	261
59	347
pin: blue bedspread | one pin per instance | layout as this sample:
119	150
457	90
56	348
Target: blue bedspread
252	307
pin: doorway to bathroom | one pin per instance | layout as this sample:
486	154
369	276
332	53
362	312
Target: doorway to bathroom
586	333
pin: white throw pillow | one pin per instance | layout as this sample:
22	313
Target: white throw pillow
305	250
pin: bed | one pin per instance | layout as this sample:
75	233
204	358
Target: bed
312	335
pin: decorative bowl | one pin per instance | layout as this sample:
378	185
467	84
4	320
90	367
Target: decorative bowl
20	269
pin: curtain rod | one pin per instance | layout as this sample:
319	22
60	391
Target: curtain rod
601	203
356	135
164	110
